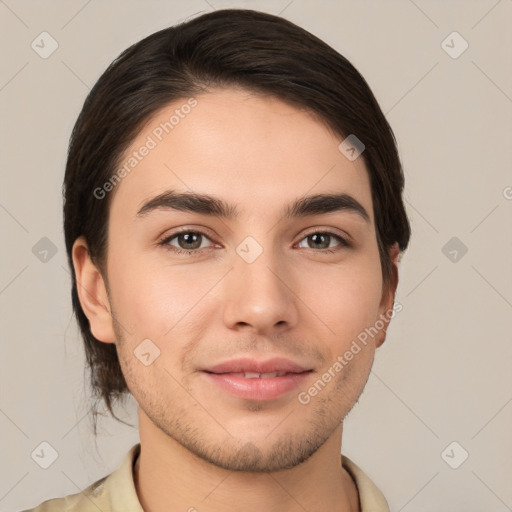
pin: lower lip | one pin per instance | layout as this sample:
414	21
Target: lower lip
258	389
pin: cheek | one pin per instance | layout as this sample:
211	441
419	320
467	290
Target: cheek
139	296
157	301
347	299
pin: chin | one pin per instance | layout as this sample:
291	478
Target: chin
258	455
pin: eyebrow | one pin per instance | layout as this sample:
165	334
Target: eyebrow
205	204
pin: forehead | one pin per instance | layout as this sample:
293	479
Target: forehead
254	151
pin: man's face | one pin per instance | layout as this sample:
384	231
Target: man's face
256	293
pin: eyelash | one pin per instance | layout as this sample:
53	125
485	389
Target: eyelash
193	252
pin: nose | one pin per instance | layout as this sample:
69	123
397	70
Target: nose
259	296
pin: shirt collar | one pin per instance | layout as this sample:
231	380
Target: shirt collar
120	486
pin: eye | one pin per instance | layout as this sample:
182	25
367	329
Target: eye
322	240
186	242
191	242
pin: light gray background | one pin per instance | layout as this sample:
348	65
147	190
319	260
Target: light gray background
444	373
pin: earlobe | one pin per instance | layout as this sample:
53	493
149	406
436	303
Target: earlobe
388	296
92	293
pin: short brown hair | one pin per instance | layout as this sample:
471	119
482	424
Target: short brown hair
232	47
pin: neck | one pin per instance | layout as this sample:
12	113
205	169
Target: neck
169	477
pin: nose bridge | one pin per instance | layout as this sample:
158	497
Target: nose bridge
257	290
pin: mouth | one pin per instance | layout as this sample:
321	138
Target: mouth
250	379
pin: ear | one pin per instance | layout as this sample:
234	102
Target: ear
92	293
388	296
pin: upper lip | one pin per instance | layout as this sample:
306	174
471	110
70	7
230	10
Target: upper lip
276	364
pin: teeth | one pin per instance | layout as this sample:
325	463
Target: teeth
255	375
252	375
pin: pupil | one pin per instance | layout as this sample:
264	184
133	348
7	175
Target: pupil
186	237
316	236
